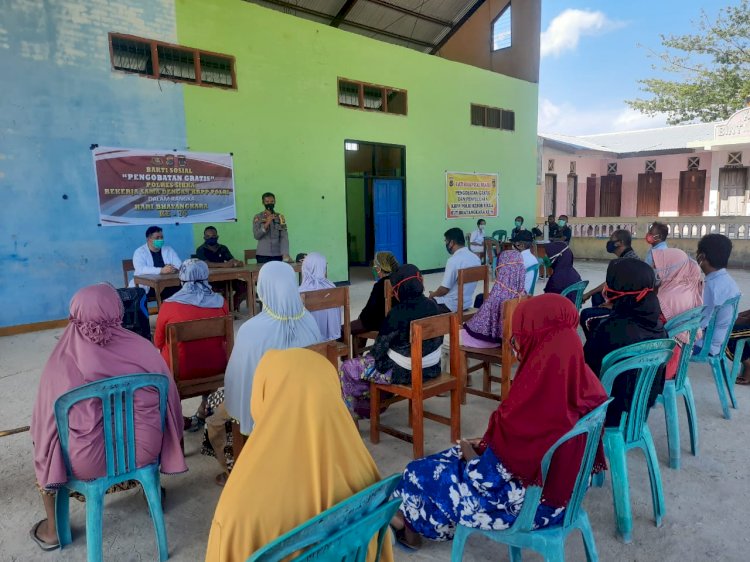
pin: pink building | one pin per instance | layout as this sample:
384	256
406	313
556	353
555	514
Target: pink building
685	170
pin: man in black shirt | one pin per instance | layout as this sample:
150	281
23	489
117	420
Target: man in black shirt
218	255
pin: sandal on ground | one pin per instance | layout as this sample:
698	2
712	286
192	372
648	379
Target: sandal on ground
401	542
744	381
196	424
43	545
221	479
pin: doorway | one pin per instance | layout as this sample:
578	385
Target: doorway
610	198
572	195
649	194
692	193
375	201
591	196
550	194
732	191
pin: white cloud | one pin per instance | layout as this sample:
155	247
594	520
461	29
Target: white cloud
568	119
566	29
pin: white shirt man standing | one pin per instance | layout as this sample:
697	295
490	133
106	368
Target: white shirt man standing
446	294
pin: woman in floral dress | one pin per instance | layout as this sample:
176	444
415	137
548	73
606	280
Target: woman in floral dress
481	483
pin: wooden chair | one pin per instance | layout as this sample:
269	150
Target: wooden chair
249	255
471	275
324	299
502	356
360	340
193	330
328	350
420	390
127	268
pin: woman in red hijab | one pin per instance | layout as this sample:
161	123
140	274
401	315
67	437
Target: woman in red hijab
482	483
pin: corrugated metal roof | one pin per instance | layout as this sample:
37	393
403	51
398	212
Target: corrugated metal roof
659	139
417	24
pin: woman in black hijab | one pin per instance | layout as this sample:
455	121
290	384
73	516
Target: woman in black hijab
635	318
390	359
563	272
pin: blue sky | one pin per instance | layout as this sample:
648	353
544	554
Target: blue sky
591	59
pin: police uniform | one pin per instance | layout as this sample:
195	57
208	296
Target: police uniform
273	243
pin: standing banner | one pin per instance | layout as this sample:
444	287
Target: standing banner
163	187
470	195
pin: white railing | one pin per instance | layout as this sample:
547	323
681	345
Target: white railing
737	228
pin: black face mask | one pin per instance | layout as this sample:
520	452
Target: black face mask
269	207
212	241
611	246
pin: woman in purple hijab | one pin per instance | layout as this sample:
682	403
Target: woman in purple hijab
563	274
95	346
485	329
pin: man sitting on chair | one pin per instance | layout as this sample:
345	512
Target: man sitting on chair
154	258
218	255
461	258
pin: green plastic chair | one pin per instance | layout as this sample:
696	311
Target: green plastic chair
119	449
535	269
578	289
722	377
642	361
500	235
689	321
342	532
549	541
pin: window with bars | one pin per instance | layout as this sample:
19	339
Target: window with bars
550	165
372	97
493	117
734	159
163	60
650	165
502	31
573	167
612	168
694	162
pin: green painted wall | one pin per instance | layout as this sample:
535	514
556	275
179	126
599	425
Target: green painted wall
287	131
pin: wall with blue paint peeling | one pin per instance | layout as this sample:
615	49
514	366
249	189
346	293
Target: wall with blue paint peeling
58	96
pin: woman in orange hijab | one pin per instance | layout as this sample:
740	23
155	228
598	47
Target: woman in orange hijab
303	456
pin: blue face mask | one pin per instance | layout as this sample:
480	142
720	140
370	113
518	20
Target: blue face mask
518	224
561	223
212	241
158	244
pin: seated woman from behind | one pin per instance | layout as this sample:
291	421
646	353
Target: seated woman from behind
283	323
390	359
480	483
383	266
314	271
303	457
94	346
194	301
635	318
681	289
485	329
563	273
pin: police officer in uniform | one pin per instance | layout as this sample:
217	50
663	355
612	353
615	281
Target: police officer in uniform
269	229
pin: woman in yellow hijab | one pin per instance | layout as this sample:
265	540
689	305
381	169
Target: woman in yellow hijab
303	456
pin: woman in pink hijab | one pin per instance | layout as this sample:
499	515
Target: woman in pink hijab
95	346
680	289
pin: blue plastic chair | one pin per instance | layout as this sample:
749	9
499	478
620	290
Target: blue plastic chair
722	377
342	532
116	397
535	269
689	321
549	541
644	360
578	289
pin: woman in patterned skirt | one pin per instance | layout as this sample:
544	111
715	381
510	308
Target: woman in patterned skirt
481	483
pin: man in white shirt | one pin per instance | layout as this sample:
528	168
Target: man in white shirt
461	258
522	243
154	258
476	240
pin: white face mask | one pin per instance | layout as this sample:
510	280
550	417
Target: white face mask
481	228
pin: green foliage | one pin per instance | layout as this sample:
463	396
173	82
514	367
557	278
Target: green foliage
711	68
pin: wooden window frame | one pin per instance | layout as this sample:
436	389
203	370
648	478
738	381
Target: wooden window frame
156	74
489	107
383	96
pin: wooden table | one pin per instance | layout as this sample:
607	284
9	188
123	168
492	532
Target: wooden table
160	281
247	274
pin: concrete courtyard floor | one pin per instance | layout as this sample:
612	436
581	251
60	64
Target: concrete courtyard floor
707	504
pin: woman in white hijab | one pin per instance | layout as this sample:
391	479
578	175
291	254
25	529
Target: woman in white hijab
314	271
283	323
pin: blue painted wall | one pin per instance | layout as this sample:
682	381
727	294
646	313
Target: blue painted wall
58	96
